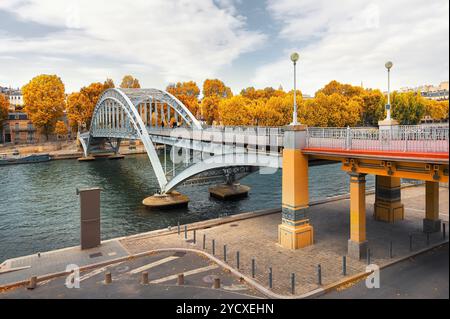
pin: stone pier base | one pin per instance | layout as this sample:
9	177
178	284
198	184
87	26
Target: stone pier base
86	159
116	157
166	201
357	250
229	191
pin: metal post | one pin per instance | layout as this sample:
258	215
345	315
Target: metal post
368	256
293	283
195	236
204	241
144	278
185	232
344	265
213	247
179	230
237	259
108	278
444	235
225	253
270	278
253	267
217	283
180	280
391	250
319	275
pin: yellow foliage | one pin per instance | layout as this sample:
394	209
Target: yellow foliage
129	82
216	87
187	93
44	101
4	107
60	128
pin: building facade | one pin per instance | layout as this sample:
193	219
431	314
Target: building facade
18	129
431	92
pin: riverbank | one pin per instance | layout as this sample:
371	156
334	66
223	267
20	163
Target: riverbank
63	150
254	235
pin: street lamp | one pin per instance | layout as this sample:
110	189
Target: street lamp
389	66
294	58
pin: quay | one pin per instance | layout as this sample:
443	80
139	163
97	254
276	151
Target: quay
254	235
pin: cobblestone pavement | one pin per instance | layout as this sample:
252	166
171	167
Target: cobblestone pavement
257	238
162	268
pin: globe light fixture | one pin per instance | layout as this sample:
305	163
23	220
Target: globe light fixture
294	58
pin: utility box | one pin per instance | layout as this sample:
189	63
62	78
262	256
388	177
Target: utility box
90	217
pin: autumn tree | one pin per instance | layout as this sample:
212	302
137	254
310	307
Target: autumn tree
408	108
129	82
265	94
437	110
187	93
44	99
235	111
4	107
373	109
60	128
214	90
80	105
109	84
346	90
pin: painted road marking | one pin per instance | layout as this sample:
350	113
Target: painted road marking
96	272
187	273
154	264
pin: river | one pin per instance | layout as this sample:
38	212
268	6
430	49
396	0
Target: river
39	209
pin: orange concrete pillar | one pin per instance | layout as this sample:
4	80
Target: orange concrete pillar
431	223
357	244
295	231
388	206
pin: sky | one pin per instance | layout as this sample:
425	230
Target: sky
242	42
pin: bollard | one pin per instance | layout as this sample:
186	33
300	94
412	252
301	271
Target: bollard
195	237
108	278
225	253
293	283
270	278
32	283
216	283
344	265
185	232
180	281
213	247
410	242
319	275
428	239
144	278
179	230
204	241
444	235
253	267
237	260
391	250
368	256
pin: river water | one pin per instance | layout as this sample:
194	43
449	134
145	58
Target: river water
39	209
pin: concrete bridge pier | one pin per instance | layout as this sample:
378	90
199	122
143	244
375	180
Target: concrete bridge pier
295	230
431	223
229	191
357	244
166	201
388	206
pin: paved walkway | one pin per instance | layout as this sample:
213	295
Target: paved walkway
257	238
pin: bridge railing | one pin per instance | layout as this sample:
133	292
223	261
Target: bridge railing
402	138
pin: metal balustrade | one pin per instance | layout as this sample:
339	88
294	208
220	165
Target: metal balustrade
402	138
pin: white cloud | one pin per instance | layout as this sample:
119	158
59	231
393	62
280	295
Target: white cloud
349	41
169	40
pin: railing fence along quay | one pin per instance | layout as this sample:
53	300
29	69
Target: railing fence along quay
402	138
